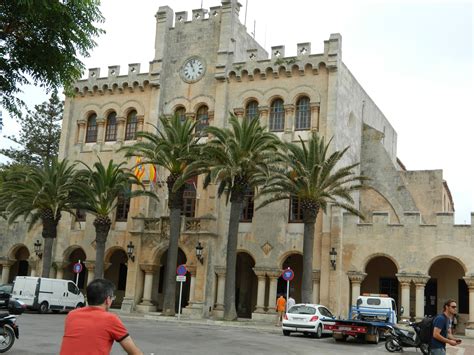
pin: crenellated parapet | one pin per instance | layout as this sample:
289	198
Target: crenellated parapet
114	83
304	63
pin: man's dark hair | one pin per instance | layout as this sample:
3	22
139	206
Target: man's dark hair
98	290
448	303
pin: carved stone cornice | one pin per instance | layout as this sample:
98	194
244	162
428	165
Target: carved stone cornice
274	273
149	268
356	276
220	270
469	279
260	272
420	280
6	262
404	279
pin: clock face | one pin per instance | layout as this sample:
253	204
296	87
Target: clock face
192	70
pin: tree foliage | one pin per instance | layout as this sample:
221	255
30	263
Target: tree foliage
38	139
40	42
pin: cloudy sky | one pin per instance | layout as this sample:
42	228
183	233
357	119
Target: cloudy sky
413	57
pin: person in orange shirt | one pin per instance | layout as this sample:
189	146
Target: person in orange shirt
280	308
92	330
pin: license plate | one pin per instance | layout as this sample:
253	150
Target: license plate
345	328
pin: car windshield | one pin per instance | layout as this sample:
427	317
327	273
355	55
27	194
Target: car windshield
302	310
6	288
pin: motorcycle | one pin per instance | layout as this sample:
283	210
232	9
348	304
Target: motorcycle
8	327
398	338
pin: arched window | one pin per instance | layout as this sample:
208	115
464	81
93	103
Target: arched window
277	116
131	129
251	110
202	118
247	206
181	113
111	127
303	114
91	132
123	206
189	198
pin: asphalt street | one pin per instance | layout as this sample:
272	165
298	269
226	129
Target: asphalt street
41	334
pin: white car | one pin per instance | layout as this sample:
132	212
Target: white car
308	319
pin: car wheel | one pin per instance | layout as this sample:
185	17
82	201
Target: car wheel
286	332
43	308
339	337
319	332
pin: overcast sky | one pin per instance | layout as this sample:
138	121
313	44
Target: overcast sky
413	57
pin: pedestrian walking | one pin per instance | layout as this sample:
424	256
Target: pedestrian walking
291	302
92	330
280	308
442	333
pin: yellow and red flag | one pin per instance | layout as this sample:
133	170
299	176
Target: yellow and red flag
139	170
152	173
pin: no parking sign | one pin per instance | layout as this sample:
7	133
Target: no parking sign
287	275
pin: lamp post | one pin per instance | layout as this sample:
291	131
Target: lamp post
332	256
199	249
38	250
130	250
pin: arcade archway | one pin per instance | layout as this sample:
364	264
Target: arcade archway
74	257
381	278
117	273
245	286
294	262
20	267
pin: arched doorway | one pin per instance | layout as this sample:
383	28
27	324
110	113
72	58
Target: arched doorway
74	257
295	263
245	286
20	267
117	273
381	278
446	282
158	294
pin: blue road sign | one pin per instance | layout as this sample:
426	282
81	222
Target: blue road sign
288	274
77	268
181	270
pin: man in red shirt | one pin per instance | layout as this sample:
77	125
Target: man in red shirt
92	330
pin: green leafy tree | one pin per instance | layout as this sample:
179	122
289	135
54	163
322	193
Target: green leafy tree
238	159
40	42
313	176
38	139
97	191
173	147
40	194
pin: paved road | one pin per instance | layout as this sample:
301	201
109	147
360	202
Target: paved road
41	334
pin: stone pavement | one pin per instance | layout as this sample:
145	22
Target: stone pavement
466	348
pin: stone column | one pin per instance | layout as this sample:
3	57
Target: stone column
146	304
314	116
90	266
316	281
100	130
356	278
420	282
192	286
261	276
273	275
140	121
6	265
121	121
60	265
405	282
289	117
263	115
470	323
220	271
81	128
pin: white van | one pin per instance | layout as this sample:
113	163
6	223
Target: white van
43	294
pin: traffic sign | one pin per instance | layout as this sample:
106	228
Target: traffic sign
181	270
181	278
77	268
288	274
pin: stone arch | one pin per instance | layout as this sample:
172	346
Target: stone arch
285	255
276	93
110	107
181	101
381	270
377	202
14	249
293	260
109	252
245	284
376	255
70	249
200	100
89	110
250	95
116	271
445	256
129	106
301	91
71	256
20	254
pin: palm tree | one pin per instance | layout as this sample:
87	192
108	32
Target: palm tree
97	191
40	193
238	159
312	176
173	147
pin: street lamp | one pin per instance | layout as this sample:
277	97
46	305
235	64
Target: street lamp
199	249
38	250
130	250
332	256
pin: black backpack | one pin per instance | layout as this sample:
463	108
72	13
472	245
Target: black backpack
426	329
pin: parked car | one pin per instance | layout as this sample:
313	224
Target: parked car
5	294
309	319
43	294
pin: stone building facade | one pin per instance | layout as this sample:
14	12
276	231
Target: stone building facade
205	66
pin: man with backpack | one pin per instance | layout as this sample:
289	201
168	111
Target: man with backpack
442	334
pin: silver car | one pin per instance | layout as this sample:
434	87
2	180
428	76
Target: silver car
308	319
